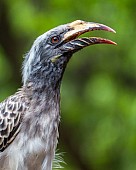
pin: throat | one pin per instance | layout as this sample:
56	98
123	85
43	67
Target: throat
45	106
46	82
40	94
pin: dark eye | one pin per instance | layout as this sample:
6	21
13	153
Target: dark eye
55	39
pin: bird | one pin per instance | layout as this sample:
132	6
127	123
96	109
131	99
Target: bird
29	119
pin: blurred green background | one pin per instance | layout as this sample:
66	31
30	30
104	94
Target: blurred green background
98	106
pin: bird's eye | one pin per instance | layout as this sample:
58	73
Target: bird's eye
55	39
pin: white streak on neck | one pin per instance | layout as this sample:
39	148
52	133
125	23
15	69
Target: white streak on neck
30	57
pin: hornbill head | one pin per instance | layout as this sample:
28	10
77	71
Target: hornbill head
51	51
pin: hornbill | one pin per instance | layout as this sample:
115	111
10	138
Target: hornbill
29	119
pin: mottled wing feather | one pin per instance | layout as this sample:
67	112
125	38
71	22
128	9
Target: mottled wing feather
11	112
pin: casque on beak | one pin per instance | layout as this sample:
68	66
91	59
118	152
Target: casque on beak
78	27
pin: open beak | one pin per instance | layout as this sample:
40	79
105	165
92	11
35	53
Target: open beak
76	28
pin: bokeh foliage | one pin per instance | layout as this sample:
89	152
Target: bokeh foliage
98	125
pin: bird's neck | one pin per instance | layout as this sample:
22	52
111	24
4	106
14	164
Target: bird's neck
47	80
40	91
45	101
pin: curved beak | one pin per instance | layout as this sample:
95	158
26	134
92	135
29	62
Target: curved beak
76	28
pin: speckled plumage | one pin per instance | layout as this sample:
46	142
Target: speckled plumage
30	129
29	119
11	111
